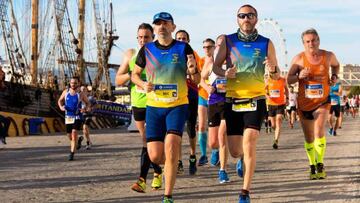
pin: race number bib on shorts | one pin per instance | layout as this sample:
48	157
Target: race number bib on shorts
220	84
166	92
274	93
314	91
69	119
244	107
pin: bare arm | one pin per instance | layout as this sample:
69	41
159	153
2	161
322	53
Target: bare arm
292	76
136	79
220	56
61	101
270	62
205	75
334	64
122	75
192	69
86	101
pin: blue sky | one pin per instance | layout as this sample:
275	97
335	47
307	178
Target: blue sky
337	22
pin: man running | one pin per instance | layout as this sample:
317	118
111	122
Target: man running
276	94
193	96
166	62
145	34
335	93
86	117
70	102
311	69
247	56
292	106
217	125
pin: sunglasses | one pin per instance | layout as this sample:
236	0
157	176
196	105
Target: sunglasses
207	47
248	15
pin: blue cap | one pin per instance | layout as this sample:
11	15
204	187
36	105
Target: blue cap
162	16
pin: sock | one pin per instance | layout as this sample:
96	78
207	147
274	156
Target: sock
157	168
203	143
144	163
310	152
320	146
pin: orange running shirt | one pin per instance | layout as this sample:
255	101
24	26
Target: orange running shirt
202	92
314	90
276	91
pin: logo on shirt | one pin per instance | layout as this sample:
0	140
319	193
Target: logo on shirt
257	53
175	58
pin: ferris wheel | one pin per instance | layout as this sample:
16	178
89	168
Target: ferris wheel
271	29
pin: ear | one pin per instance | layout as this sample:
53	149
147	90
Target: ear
173	28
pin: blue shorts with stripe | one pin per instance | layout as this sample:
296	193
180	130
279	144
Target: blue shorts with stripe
161	121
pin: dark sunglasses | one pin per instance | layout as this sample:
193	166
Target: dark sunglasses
207	47
248	15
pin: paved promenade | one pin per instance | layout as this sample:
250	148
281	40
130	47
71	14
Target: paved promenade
35	169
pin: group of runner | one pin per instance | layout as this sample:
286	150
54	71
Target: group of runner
231	90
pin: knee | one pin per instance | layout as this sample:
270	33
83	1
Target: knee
156	157
213	144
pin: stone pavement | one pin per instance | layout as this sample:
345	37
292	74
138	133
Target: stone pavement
35	169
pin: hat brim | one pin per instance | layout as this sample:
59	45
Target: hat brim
158	19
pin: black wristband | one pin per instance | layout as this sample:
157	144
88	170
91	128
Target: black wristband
276	68
196	71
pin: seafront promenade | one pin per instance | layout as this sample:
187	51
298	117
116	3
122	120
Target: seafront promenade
35	169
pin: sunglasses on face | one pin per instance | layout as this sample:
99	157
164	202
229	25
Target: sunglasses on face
207	47
248	15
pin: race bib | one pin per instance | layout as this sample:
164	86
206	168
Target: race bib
334	102
69	119
314	91
274	93
220	84
244	107
166	92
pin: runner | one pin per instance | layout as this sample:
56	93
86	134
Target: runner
166	62
72	99
343	102
245	105
276	94
86	117
311	69
183	36
216	123
145	34
335	93
292	106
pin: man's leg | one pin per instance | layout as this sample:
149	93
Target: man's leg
172	145
278	121
320	140
249	146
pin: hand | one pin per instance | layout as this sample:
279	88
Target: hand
231	72
269	66
304	73
62	108
82	110
191	64
148	86
210	89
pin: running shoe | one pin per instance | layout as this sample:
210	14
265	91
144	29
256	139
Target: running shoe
214	159
157	181
88	145
192	165
71	156
330	131
267	130
139	186
203	161
313	175
275	144
223	177
334	133
244	198
79	142
3	140
180	169
321	174
167	200
240	168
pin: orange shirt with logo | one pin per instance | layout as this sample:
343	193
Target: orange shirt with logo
276	91
314	90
